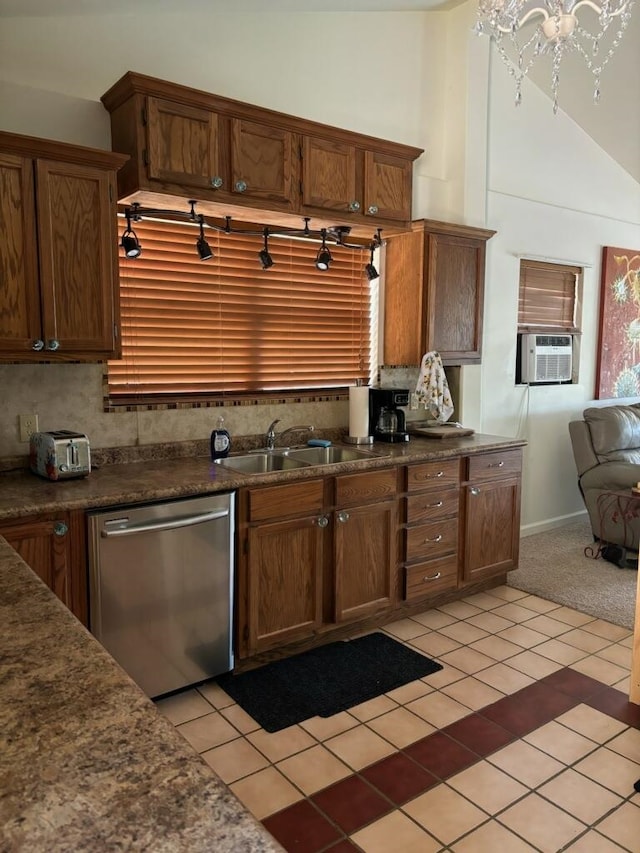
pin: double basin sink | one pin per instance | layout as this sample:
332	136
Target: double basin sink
264	462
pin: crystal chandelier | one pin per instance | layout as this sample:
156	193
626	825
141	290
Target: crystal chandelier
523	32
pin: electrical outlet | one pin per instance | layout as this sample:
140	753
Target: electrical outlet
28	424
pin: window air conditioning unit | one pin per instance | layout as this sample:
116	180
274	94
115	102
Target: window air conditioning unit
546	358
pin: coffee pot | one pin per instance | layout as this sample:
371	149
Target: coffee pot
386	418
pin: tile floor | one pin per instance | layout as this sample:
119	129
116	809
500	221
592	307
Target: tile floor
525	741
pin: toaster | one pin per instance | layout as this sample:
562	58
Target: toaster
59	454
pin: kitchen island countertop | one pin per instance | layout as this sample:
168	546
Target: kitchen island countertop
86	760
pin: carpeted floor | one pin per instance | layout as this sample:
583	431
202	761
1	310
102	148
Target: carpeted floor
553	565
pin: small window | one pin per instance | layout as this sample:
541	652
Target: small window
549	317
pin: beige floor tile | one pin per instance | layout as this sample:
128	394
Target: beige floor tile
490	622
617	654
601	670
571	616
623	686
434	619
266	792
207	732
463	632
496	648
460	609
239	718
405	629
444	813
508	593
517	613
585	640
278	745
608	630
233	760
491	837
473	693
523	636
313	769
584	799
526	763
213	693
467	659
546	625
593	842
627	642
561	743
372	708
183	706
560	652
504	678
539	605
395	832
323	728
447	675
410	691
488	787
401	727
628	744
434	644
360	747
483	600
591	723
535	665
541	823
616	772
623	826
438	709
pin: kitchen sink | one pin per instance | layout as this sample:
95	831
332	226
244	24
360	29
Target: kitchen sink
327	455
260	463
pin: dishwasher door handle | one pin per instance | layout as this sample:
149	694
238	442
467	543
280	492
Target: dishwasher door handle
172	524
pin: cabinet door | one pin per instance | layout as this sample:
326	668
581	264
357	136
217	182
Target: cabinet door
183	144
78	264
387	186
284	582
20	326
365	559
492	531
329	176
261	162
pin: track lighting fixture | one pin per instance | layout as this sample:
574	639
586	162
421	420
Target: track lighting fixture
370	270
265	258
204	249
130	242
323	260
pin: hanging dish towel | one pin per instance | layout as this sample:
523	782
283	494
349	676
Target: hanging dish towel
433	389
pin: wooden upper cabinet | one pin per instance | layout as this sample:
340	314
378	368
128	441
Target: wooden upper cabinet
183	144
434	293
59	295
240	160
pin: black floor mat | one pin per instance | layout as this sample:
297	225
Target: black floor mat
326	680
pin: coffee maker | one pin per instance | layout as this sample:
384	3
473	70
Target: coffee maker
386	419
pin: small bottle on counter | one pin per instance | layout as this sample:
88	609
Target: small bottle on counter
220	441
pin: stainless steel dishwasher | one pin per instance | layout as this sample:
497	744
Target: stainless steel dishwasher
161	589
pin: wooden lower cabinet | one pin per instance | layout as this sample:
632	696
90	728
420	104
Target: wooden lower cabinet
53	545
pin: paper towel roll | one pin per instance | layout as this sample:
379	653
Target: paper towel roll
358	411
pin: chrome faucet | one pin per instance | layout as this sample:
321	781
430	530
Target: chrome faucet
270	435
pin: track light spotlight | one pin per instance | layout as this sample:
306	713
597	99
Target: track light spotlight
265	258
323	259
370	270
130	243
204	249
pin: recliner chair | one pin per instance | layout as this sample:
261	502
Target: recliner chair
606	449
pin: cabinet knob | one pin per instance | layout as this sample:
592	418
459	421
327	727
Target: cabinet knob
343	516
435	577
240	186
216	182
60	528
53	345
354	206
474	490
372	210
38	345
437	538
322	521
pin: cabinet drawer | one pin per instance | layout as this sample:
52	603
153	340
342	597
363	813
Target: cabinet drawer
354	489
432	506
430	577
488	466
431	540
291	499
427	474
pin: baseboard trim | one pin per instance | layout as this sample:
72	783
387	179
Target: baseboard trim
552	523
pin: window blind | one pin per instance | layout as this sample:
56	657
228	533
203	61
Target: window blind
548	296
226	327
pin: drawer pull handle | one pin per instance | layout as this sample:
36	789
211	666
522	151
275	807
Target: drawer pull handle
435	577
434	506
496	465
437	538
439	474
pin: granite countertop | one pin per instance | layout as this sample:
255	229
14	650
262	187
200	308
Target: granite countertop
86	760
159	477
